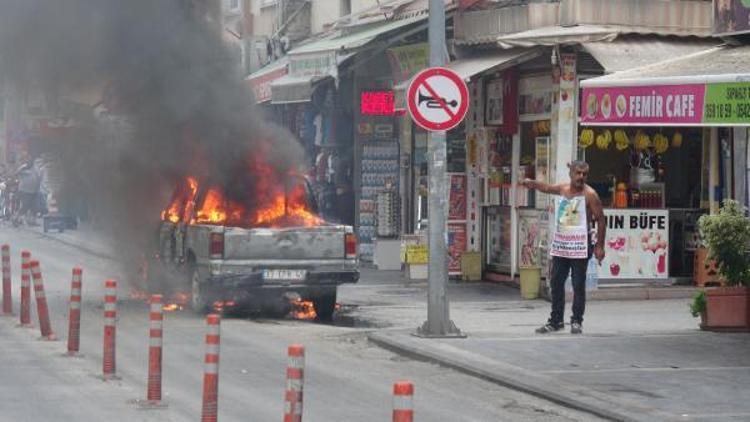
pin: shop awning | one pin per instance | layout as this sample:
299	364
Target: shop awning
317	60
469	67
294	89
260	80
709	88
559	35
631	51
499	60
343	42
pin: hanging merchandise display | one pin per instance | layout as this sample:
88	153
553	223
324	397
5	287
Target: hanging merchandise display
457	197
622	142
456	246
604	139
661	143
642	141
586	139
677	139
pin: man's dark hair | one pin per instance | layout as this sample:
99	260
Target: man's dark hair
576	164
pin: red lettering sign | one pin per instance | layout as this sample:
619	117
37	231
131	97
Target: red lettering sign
377	103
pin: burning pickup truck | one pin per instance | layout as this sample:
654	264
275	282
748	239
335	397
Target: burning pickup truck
252	254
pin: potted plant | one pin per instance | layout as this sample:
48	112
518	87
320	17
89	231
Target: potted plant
698	307
727	237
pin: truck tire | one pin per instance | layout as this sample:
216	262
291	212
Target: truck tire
198	301
325	305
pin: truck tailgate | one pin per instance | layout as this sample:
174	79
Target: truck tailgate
320	242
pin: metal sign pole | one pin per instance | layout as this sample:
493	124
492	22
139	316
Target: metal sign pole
438	322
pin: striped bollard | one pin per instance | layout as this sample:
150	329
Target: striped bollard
74	312
26	289
110	315
7	293
295	376
41	302
156	323
211	370
403	406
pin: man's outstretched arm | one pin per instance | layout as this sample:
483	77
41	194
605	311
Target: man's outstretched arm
541	186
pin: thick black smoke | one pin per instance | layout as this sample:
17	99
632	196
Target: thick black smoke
175	105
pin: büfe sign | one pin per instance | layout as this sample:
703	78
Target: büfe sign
637	244
669	105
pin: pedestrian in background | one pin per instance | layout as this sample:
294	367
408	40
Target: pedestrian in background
577	207
29	182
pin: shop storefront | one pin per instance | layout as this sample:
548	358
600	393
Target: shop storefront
481	155
666	144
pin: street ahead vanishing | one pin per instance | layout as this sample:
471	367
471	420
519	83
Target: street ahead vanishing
347	378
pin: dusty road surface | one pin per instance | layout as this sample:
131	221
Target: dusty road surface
346	378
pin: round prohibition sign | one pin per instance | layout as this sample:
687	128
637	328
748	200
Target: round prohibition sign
437	99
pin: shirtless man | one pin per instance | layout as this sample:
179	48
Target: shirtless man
571	257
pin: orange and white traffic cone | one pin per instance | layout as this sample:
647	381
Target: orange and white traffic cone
41	302
211	370
74	312
7	293
156	320
295	377
110	316
403	404
26	289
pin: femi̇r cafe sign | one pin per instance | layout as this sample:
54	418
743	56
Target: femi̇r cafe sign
664	105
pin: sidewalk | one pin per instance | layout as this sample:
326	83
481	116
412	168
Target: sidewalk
637	376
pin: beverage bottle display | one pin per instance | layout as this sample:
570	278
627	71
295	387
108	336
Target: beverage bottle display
635	199
621	196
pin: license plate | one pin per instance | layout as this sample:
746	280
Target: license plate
284	274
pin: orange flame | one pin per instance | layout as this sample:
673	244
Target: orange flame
172	213
281	206
290	208
212	210
303	309
182	202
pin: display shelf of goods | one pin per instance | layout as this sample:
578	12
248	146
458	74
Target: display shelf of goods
388	214
379	172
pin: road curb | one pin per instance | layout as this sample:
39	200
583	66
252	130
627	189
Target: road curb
514	377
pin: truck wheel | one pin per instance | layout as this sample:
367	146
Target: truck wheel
324	306
197	300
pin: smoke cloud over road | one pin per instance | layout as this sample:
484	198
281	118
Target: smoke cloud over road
169	102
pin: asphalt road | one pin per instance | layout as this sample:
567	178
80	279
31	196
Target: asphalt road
346	378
